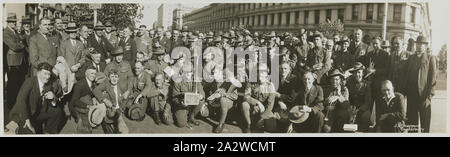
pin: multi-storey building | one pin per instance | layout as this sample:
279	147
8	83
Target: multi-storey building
407	20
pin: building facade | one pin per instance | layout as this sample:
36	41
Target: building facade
406	20
178	16
165	16
36	11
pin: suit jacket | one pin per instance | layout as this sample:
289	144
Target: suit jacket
143	44
381	60
396	110
73	54
359	51
289	88
102	46
112	39
313	99
80	89
29	99
80	73
43	50
15	47
129	55
106	91
421	76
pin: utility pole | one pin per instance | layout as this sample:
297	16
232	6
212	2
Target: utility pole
385	19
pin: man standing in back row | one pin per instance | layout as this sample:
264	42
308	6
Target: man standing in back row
421	80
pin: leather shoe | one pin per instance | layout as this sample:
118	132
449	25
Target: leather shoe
219	128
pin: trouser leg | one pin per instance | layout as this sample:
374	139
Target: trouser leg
425	117
83	126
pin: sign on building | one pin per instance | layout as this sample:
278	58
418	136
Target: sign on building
95	6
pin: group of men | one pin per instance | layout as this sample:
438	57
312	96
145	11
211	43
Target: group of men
100	75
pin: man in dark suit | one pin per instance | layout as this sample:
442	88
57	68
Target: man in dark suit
100	43
95	61
129	46
79	109
14	59
421	80
378	61
310	97
42	47
359	48
390	109
36	105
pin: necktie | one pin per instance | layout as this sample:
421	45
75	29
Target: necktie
73	42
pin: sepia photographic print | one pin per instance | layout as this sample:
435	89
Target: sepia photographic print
343	68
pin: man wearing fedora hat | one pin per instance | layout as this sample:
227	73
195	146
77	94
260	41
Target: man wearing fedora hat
111	95
100	43
310	98
124	71
72	50
14	64
421	81
42	47
110	35
336	103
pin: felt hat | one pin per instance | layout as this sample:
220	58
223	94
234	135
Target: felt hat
96	114
12	17
296	115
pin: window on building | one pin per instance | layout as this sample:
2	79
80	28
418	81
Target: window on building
306	17
253	20
272	19
328	15
355	11
369	13
279	18
316	16
397	12
288	18
341	15
380	15
413	15
297	14
265	19
259	20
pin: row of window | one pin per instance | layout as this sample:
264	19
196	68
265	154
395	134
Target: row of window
277	18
